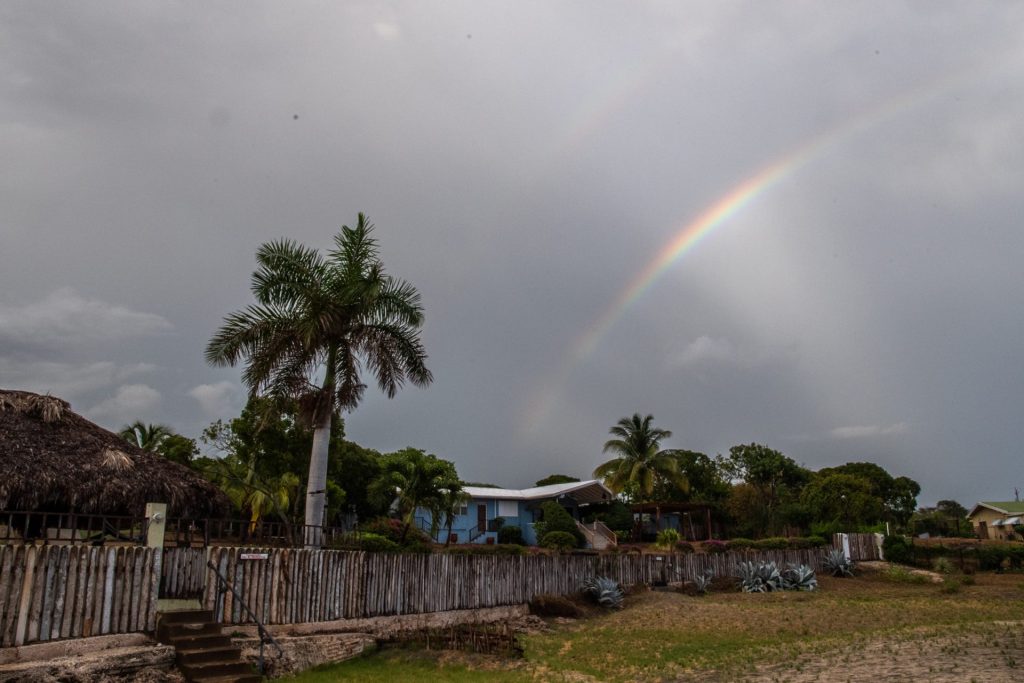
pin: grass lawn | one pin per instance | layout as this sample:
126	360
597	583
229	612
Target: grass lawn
870	628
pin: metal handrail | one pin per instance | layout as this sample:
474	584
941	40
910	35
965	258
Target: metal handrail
265	636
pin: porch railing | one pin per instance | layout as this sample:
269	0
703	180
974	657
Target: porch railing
63	528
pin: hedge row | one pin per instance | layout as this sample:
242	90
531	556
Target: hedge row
988	556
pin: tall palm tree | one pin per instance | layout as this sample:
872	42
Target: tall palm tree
148	437
324	316
640	459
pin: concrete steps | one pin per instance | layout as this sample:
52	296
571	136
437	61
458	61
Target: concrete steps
203	652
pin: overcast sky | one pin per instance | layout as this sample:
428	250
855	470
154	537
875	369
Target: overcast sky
524	163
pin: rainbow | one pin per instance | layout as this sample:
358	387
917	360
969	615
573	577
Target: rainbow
715	216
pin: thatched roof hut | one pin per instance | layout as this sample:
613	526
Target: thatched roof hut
55	460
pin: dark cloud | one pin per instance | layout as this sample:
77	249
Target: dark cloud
864	306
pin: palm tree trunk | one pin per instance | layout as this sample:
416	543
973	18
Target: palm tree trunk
316	489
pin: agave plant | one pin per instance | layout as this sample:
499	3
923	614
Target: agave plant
799	578
837	564
703	582
759	577
605	591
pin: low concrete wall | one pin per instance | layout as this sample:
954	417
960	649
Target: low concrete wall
383	627
299	653
145	664
305	646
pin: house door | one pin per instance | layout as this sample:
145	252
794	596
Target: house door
982	530
481	517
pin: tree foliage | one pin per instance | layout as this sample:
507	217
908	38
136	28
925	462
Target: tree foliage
324	316
556	479
415	479
639	460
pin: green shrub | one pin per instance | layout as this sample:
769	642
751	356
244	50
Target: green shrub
806	542
482	549
667	538
684	547
714	546
942	565
898	549
375	543
393	529
740	544
510	534
557	518
558	540
968	580
774	543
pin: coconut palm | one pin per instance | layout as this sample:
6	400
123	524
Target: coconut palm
413	479
640	460
148	437
324	316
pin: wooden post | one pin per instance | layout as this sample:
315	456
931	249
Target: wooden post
156	524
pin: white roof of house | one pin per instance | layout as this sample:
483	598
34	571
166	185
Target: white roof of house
590	491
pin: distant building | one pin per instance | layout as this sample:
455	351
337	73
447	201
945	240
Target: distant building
477	519
997	520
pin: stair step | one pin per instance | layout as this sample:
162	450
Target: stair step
213	669
175	632
201	642
186	616
208	654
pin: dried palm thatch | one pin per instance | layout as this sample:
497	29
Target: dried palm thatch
54	459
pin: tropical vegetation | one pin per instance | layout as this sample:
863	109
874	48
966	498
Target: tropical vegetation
324	316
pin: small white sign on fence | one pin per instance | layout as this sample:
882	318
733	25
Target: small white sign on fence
253	556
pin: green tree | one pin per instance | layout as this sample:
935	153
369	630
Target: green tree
415	479
179	449
161	439
324	316
148	437
640	460
556	479
844	499
774	479
898	494
703	474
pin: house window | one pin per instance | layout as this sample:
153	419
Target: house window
463	510
508	508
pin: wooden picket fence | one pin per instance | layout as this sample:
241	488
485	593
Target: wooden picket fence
296	586
52	592
183	573
860	547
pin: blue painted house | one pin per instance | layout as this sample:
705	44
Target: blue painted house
476	523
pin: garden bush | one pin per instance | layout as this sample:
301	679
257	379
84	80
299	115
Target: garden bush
714	546
806	542
375	543
392	529
740	544
898	549
558	540
510	534
684	547
667	538
773	543
557	518
481	549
